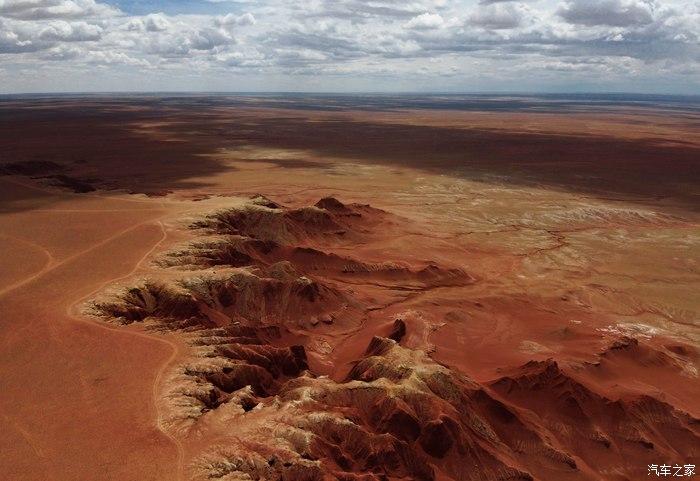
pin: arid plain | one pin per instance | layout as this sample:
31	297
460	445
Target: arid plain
352	288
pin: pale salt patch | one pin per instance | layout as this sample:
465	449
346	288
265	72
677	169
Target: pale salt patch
689	369
642	331
533	347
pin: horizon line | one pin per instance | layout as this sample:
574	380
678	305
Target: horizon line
345	92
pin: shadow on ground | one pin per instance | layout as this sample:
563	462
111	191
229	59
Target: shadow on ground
155	146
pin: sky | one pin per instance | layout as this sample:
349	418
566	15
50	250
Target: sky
460	46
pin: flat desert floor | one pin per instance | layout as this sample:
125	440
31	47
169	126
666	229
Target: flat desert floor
352	288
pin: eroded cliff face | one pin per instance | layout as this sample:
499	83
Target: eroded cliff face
310	359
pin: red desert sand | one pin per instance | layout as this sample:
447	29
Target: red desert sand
197	290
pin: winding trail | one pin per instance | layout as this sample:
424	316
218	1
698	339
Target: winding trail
74	314
49	257
50	267
49	262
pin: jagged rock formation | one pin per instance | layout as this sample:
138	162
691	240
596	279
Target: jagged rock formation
265	220
254	296
263	281
263	233
601	431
